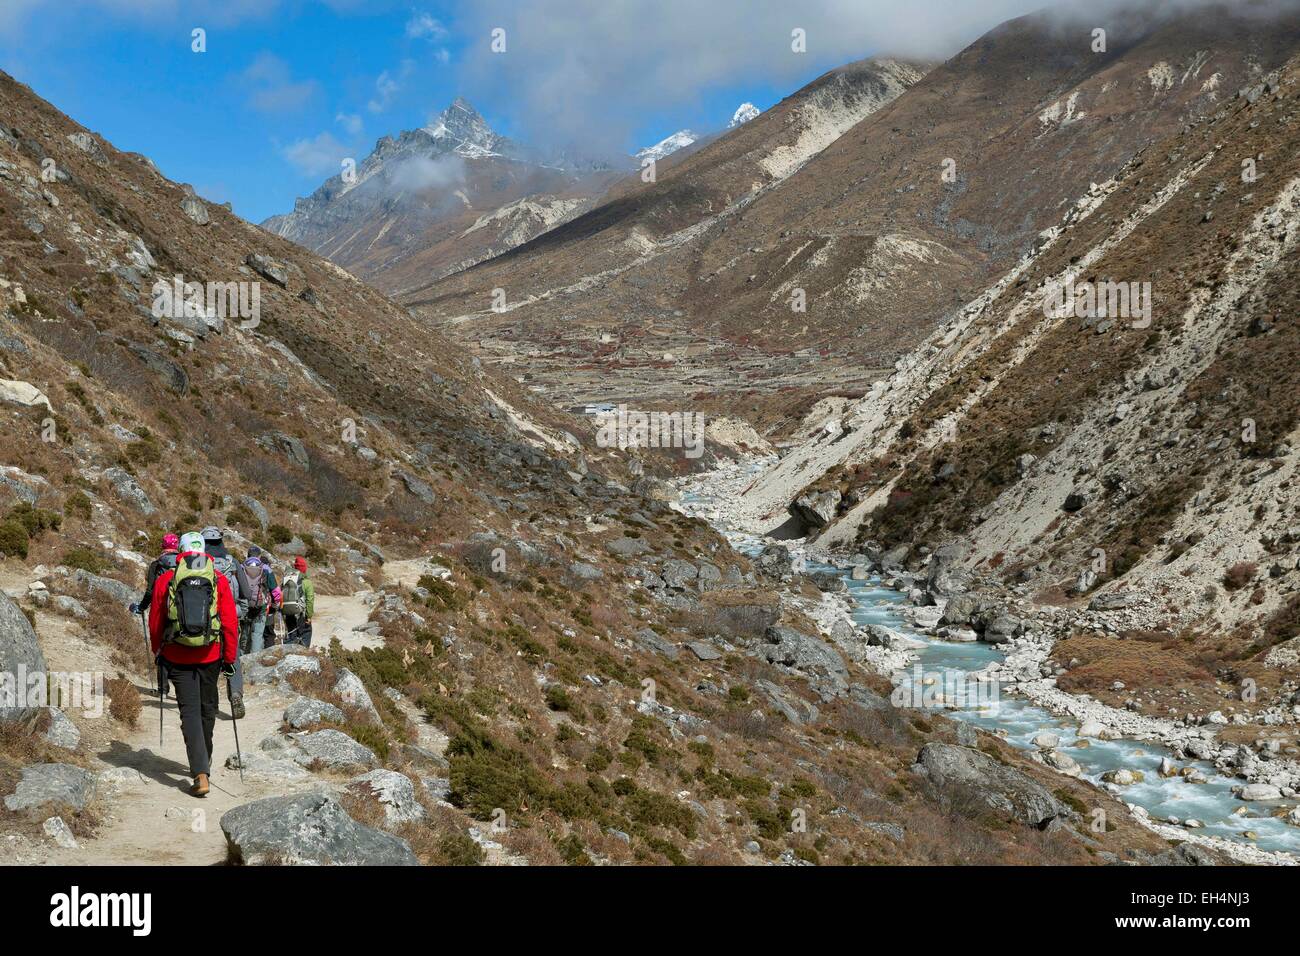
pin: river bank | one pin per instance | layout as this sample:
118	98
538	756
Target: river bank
1177	777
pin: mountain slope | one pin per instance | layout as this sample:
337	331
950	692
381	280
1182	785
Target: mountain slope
436	199
881	234
1141	465
535	643
626	268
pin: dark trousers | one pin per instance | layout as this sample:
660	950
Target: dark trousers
297	630
197	699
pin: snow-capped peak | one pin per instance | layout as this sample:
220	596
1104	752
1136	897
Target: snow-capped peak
667	146
744	113
463	125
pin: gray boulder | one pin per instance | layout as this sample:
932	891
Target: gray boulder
677	573
352	691
704	650
123	594
268	268
804	653
965	776
19	651
129	490
62	731
194	208
332	748
773	561
816	509
393	791
44	783
307	712
311	829
418	488
653	642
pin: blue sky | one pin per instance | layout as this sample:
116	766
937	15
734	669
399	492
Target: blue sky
286	88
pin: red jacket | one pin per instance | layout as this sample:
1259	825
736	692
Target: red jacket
179	653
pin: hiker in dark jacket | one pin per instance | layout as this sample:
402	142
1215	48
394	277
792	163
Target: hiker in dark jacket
252	631
194	659
164	562
215	545
298	602
272	589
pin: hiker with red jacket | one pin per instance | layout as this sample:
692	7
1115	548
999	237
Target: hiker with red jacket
194	630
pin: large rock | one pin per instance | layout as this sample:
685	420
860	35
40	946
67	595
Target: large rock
62	731
352	691
20	656
268	268
804	653
22	393
393	791
816	509
44	783
129	490
679	574
123	594
307	712
961	774
311	829
653	642
417	487
328	748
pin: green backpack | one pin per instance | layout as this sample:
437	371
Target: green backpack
192	616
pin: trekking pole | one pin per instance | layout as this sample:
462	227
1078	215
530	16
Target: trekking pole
235	721
160	704
148	645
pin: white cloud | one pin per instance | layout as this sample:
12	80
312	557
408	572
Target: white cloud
319	156
388	84
424	26
573	67
272	88
351	123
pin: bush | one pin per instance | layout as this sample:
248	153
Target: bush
1239	575
457	849
85	559
13	539
124	700
78	504
279	534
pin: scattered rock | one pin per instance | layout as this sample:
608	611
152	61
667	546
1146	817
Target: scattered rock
309	828
963	773
19	653
44	783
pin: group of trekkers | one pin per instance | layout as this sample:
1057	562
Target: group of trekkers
205	611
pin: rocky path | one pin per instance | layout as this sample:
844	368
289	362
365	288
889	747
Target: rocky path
151	817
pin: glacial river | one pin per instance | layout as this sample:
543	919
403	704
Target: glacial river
1018	721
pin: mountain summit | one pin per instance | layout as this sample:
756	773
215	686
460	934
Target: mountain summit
463	125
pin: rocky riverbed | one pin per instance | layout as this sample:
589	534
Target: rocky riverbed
1240	800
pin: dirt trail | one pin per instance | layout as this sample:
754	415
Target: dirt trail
154	820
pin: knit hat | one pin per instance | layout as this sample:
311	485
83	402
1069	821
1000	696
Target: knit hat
171	541
300	564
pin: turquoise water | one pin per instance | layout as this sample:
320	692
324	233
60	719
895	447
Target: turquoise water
1017	721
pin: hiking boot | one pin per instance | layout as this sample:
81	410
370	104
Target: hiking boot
237	706
200	788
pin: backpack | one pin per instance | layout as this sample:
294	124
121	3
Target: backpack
192	616
167	561
257	597
291	598
229	569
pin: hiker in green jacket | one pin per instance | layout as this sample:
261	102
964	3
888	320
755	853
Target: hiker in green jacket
297	604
